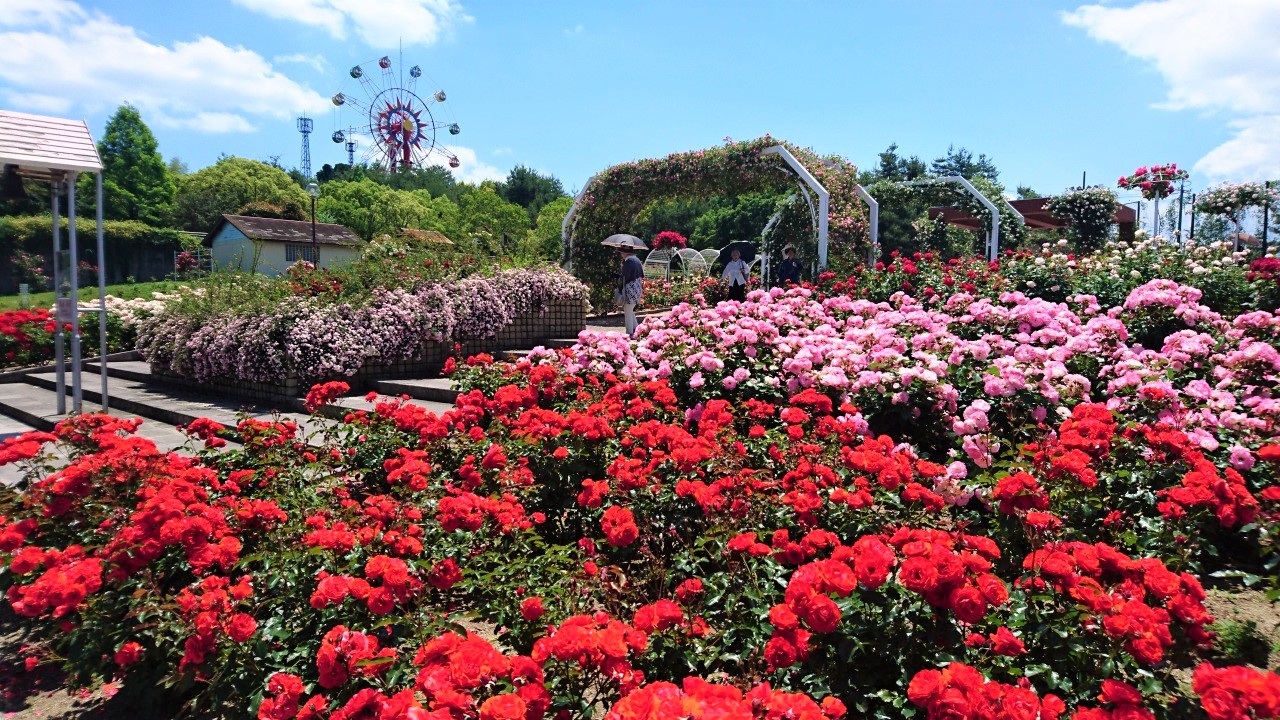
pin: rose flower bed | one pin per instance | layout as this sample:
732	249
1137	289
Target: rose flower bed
789	508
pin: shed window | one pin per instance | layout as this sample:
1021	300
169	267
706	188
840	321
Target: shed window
294	252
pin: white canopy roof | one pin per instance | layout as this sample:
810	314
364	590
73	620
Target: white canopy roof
40	145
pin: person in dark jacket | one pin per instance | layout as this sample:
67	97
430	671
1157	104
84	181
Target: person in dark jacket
630	287
789	268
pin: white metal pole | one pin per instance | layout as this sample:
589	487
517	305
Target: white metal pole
873	252
102	298
824	202
77	392
60	374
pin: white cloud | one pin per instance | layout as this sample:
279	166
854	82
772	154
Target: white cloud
1253	154
379	24
502	151
315	61
25	13
202	84
575	30
1219	57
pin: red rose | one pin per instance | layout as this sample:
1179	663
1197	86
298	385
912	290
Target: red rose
918	575
1004	642
444	575
833	708
821	614
924	686
968	604
619	526
128	654
783	617
1269	453
507	706
531	609
779	652
242	627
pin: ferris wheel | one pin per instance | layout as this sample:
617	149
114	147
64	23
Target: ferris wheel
399	125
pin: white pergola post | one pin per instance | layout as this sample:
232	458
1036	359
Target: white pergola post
566	227
824	197
873	252
993	238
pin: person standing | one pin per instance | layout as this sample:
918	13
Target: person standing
735	273
630	287
789	269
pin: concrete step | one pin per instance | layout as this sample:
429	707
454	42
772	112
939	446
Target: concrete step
172	407
136	370
557	343
439	390
35	407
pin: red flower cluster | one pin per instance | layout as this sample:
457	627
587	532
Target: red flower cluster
951	570
344	653
322	394
1225	494
1083	438
1124	700
619	526
69	577
595	641
454	668
707	701
210	607
1115	587
1155	182
959	692
1237	693
669	240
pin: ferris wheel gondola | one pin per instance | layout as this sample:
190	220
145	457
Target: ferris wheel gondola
401	124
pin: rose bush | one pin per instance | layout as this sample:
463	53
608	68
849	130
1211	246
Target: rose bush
803	505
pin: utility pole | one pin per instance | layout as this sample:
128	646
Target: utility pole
1083	183
1193	216
1182	188
1266	213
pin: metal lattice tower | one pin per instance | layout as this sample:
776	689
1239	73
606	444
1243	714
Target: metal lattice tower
351	152
304	127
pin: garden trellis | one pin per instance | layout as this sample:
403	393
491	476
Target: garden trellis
612	199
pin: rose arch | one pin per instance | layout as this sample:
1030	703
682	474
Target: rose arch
611	201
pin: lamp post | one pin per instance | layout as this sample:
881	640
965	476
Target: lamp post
314	191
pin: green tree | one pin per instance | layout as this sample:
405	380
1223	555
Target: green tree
178	168
136	182
962	162
491	223
545	237
742	219
368	208
1026	193
229	185
531	190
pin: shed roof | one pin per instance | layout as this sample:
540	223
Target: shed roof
425	236
275	229
40	145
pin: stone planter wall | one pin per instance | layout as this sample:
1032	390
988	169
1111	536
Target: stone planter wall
563	320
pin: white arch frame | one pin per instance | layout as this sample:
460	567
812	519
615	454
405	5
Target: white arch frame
993	237
824	207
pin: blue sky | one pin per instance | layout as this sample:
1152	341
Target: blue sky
1046	89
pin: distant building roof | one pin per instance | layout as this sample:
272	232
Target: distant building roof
425	236
40	145
295	231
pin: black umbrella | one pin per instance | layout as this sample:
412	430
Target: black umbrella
746	249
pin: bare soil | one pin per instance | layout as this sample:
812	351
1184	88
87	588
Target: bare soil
1244	605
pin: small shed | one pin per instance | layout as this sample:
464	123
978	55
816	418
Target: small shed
268	246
